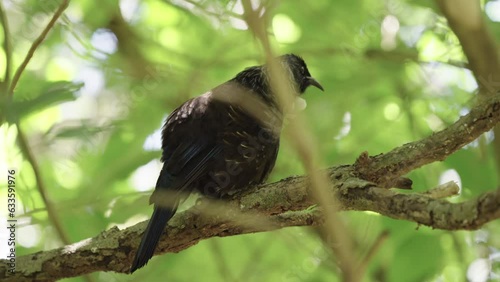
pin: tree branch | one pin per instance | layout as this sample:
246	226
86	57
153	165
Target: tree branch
384	169
285	203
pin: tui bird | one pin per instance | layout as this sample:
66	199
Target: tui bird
220	142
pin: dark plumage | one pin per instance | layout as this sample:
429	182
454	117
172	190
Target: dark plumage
219	142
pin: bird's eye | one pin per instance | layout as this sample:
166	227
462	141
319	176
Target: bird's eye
302	69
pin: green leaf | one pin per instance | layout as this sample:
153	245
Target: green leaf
50	94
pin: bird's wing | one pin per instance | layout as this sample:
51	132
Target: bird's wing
170	189
189	143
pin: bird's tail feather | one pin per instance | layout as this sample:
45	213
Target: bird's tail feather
151	236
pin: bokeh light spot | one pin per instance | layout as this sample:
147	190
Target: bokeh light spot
391	111
285	30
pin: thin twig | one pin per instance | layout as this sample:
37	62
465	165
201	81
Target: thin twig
480	48
35	45
30	157
40	184
444	190
23	142
221	261
338	235
372	251
6	48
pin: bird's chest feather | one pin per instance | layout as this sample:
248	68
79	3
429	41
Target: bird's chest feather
249	152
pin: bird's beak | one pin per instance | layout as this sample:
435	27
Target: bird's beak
314	82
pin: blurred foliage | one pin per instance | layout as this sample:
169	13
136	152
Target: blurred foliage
95	94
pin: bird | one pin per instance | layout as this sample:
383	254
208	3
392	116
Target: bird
223	141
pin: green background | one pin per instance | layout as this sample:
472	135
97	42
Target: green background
99	87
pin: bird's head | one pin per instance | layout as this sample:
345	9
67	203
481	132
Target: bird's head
256	78
299	72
